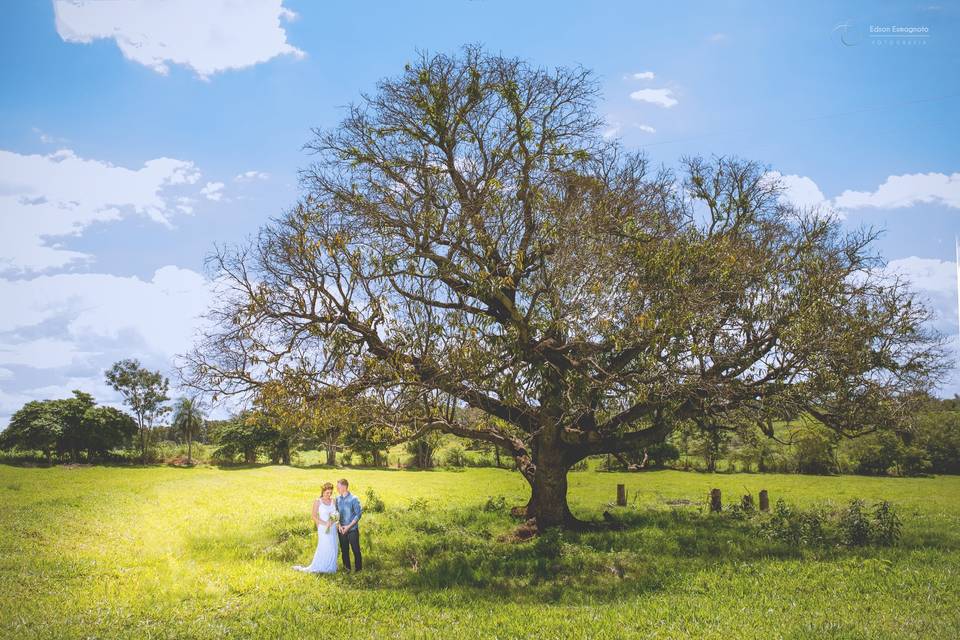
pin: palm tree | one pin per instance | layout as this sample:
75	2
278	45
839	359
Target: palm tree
189	420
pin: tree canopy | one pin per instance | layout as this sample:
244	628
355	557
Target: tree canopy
468	239
68	425
144	391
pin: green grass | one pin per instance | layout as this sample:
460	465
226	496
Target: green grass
163	552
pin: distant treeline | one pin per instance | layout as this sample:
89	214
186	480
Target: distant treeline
79	430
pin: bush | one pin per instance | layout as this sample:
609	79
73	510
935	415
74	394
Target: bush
794	527
455	456
495	505
373	503
938	434
813	451
886	524
914	461
853	526
662	453
876	453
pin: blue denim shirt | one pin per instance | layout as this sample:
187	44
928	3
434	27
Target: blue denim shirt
349	508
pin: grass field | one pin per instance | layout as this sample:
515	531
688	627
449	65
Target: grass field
163	552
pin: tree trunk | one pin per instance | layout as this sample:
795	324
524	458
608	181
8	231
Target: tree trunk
496	455
711	463
548	490
189	449
377	458
331	455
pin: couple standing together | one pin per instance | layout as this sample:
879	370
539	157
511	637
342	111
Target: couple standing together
337	521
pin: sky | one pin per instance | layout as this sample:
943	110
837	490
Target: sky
135	135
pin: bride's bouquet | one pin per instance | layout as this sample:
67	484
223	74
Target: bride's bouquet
334	517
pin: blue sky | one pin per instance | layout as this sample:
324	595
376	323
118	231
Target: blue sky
134	135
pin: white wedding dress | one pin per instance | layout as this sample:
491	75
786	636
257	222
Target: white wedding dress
325	558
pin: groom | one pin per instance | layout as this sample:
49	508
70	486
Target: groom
350	512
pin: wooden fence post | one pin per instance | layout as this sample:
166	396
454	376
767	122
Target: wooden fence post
621	495
747	502
715	505
764	500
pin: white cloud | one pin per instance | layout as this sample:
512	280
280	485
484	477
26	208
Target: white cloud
661	97
96	385
213	191
208	36
46	138
60	194
717	38
644	75
161	313
936	281
896	192
247	176
613	128
42	353
928	274
905	191
800	191
88	321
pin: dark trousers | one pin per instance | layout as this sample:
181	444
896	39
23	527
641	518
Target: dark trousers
350	540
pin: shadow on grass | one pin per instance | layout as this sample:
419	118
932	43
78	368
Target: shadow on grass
461	554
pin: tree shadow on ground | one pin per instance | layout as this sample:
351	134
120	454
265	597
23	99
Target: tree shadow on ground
468	554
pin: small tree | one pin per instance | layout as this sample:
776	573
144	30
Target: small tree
245	435
423	448
188	420
144	391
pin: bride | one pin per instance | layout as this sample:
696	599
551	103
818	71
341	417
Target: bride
325	516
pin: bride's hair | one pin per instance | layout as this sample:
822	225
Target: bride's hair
326	486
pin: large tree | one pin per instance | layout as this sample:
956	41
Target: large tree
469	239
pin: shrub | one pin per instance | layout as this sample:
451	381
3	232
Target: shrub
914	461
938	433
373	503
662	453
496	504
854	525
794	527
455	456
886	529
876	454
813	451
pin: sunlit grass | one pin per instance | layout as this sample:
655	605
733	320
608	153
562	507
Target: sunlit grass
204	552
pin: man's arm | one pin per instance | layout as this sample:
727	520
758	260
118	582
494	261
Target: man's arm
353	522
